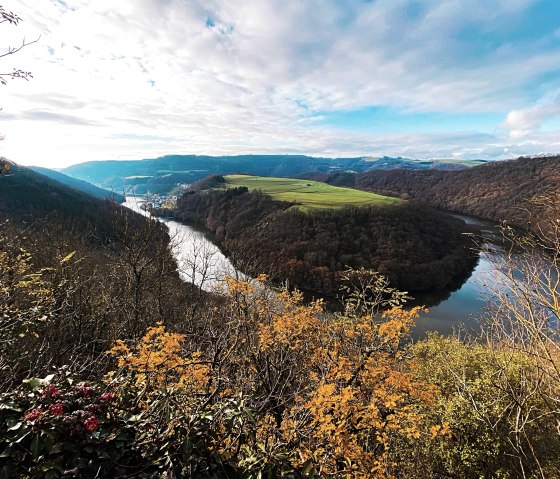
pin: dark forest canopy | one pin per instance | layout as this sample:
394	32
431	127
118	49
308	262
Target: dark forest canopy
498	191
33	200
415	247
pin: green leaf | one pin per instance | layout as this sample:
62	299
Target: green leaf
309	468
15	427
36	446
6	452
49	440
7	472
56	448
187	446
22	437
36	383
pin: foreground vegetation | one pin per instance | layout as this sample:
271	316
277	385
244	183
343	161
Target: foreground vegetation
258	384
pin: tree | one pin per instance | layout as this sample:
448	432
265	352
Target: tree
501	393
13	19
523	321
25	299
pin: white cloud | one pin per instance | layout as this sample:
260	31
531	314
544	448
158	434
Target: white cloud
524	122
140	78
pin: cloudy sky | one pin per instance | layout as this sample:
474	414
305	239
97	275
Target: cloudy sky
132	79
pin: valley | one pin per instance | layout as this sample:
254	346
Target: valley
458	307
166	174
280	240
115	320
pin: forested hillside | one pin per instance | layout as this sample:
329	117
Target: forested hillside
499	191
26	195
112	264
415	247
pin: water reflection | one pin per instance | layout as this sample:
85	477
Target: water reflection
462	308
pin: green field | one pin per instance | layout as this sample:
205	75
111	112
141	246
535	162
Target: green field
309	194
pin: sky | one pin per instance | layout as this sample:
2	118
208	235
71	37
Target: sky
133	79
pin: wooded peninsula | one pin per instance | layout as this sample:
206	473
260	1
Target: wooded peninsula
415	247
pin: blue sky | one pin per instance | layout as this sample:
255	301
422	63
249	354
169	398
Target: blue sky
419	78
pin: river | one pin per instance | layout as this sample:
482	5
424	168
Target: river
199	261
202	263
462	308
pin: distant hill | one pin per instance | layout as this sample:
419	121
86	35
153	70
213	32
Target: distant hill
163	175
499	191
80	185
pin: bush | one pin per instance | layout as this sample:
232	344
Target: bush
58	426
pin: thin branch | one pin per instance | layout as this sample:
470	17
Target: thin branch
12	50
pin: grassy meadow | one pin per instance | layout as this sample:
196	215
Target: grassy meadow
309	194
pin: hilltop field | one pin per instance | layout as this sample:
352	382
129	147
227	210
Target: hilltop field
308	194
509	191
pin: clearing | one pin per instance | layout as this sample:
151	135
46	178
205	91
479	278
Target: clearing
309	194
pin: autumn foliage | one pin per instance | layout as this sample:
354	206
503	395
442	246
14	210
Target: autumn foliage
289	390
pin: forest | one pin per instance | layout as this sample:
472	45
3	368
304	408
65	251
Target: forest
498	191
415	247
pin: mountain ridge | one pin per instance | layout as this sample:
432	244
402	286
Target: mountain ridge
164	174
78	184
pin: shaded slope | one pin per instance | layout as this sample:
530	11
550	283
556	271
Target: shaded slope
80	185
26	195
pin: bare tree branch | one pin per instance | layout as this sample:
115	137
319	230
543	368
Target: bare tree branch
9	17
24	43
13	19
